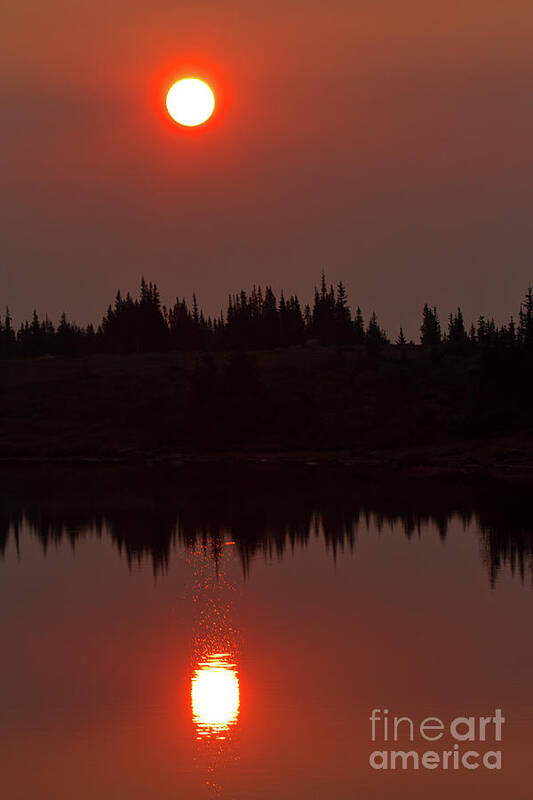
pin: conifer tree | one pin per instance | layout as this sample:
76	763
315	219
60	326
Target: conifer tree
525	329
512	332
359	327
375	336
343	317
456	330
430	328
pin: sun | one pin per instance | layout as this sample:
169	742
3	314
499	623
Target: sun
190	102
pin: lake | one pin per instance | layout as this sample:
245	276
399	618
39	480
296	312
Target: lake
226	632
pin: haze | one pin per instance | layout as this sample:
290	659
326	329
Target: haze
386	142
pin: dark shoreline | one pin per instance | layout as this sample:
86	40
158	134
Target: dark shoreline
502	460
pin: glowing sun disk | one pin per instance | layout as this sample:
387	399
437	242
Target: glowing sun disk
190	102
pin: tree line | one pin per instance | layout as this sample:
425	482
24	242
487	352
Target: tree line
257	320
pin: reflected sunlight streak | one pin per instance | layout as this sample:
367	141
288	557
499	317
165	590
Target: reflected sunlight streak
215	696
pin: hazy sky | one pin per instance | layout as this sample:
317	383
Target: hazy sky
387	142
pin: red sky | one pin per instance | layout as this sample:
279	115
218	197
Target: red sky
386	142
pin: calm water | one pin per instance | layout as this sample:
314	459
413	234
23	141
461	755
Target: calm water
157	646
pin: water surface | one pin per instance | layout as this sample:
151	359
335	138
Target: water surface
164	637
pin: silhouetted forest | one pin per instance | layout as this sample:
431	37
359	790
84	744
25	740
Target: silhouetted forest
266	377
263	509
253	321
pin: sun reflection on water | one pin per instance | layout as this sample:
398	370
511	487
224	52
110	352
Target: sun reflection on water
215	696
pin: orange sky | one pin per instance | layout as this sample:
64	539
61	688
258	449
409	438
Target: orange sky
387	142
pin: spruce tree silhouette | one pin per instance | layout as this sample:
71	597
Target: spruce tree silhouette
359	327
430	328
525	330
401	340
457	336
